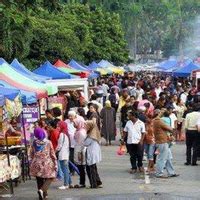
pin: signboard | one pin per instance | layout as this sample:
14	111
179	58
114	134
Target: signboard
30	116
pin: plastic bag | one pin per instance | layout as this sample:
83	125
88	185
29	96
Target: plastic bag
121	150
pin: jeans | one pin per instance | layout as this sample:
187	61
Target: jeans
136	155
65	169
59	173
164	160
150	149
191	144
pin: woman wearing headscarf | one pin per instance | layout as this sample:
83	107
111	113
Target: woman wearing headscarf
108	116
44	162
79	149
93	153
71	132
94	114
62	151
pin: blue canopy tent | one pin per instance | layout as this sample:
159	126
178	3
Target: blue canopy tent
47	69
93	75
10	94
186	70
168	64
27	97
93	66
23	70
75	65
104	63
2	61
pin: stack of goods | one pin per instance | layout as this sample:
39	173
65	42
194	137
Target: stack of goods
6	172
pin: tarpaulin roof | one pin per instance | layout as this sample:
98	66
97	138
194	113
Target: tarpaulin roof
17	80
47	69
27	97
93	65
40	93
10	94
60	63
2	100
110	67
69	70
7	70
186	70
75	65
105	64
168	64
23	70
93	75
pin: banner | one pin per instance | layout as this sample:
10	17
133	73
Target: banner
30	116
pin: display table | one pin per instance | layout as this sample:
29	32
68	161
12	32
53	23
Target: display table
12	172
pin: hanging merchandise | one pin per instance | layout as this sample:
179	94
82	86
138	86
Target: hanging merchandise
43	106
14	108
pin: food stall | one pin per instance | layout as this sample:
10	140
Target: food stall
13	154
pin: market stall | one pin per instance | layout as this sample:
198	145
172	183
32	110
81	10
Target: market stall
12	74
70	84
10	166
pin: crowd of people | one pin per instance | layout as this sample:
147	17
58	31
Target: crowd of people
154	112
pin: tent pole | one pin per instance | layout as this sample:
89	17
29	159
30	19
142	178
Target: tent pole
25	142
39	109
8	158
47	103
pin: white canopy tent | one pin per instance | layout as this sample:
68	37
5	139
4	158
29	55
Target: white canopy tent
71	84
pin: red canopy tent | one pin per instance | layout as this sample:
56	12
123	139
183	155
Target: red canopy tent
60	63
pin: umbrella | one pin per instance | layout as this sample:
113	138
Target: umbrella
72	165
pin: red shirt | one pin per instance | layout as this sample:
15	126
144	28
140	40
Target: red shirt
54	136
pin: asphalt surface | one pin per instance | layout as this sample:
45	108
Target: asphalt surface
120	185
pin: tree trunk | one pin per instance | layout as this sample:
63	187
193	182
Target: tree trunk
135	43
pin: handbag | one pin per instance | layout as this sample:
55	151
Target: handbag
57	152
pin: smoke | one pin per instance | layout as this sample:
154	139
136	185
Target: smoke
192	42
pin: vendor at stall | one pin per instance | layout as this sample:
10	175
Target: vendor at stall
12	128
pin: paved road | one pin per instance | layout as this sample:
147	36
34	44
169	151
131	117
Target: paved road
119	184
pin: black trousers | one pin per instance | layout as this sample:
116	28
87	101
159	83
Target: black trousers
136	155
71	158
43	184
198	145
81	169
191	146
93	176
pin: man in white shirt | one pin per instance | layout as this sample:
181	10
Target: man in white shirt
135	132
192	135
139	92
105	89
158	90
184	95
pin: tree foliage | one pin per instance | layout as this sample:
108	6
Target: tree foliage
152	25
39	30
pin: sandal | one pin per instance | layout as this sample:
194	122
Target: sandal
79	186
